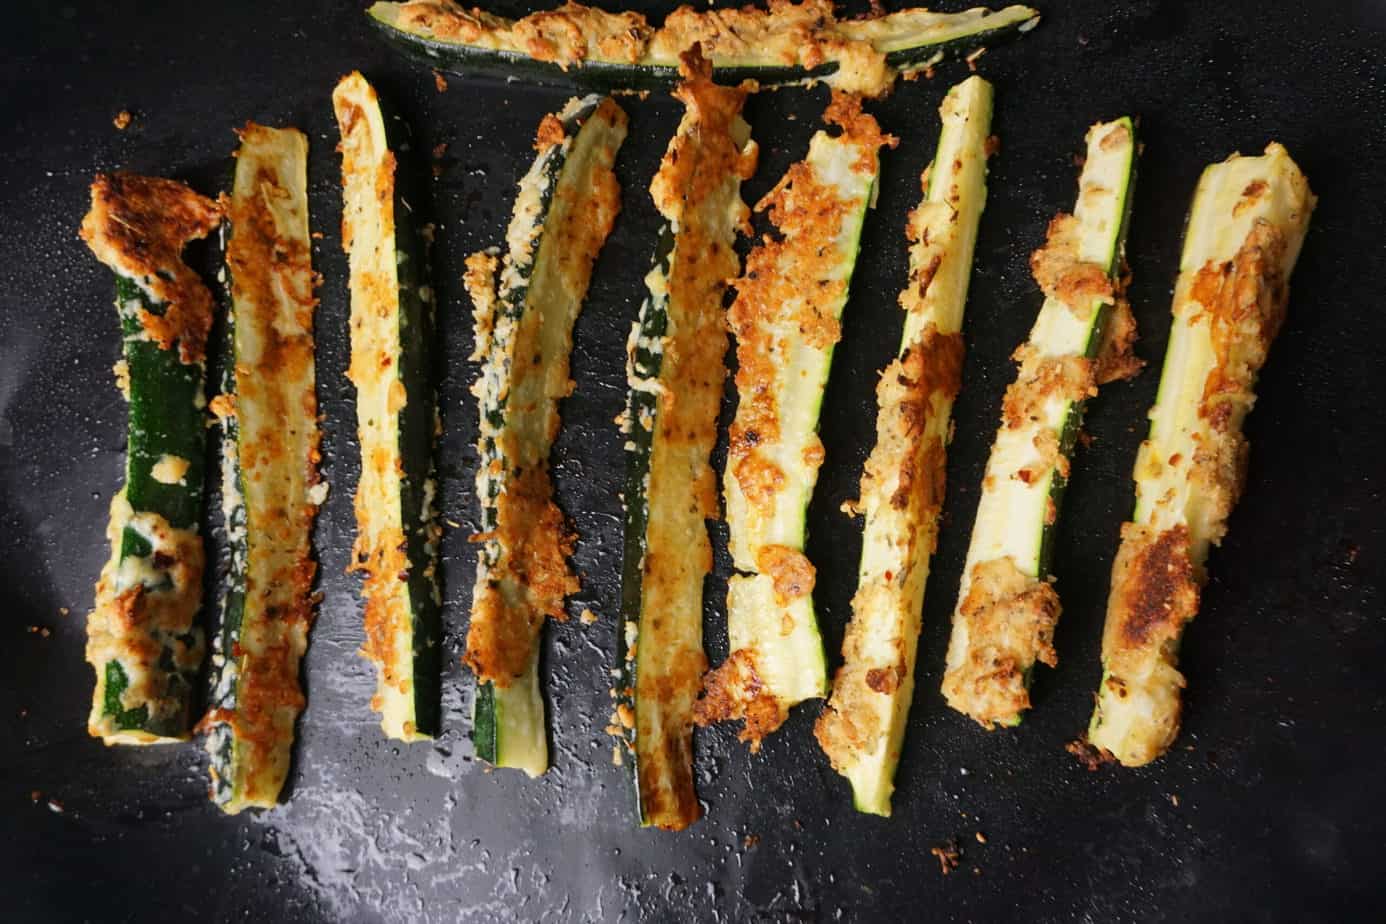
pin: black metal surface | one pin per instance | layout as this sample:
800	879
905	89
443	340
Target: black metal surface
1269	808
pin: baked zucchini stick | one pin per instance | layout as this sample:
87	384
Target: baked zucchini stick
143	638
391	367
676	371
863	727
787	319
566	206
787	43
268	410
1248	219
1007	606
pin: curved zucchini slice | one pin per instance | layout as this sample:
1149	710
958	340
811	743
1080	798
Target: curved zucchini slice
1007	607
676	371
391	367
862	729
1244	232
270	484
143	638
789	43
565	208
787	319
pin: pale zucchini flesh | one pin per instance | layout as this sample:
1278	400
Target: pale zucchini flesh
565	208
391	368
1245	228
1004	619
787	319
862	729
676	373
270	482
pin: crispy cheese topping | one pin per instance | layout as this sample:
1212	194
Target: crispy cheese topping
138	227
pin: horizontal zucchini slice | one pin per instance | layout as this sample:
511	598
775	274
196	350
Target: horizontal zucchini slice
268	410
676	370
787	319
1007	607
143	637
391	367
1245	228
566	206
862	729
788	43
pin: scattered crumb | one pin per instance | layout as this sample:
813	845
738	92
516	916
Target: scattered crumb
948	856
63	611
1086	439
316	235
587	617
928	72
972	59
55	806
625	715
976	871
616	758
1089	756
1082	39
36	795
992	147
1350	557
1174	800
440	83
851	508
454	524
123	119
750	842
39	630
23	712
981	838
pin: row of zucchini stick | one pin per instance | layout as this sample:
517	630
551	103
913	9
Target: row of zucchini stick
787	313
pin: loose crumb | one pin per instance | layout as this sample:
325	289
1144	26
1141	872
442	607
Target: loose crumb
35	796
948	856
1090	757
972	59
454	524
616	758
750	842
981	838
55	806
587	617
1174	800
123	119
63	611
440	83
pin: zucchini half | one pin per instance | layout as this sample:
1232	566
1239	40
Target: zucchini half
391	367
788	43
271	489
1245	228
676	371
862	729
787	319
1006	611
566	206
143	638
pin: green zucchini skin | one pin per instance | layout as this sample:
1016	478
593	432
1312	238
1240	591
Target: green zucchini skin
415	712
143	638
568	199
608	76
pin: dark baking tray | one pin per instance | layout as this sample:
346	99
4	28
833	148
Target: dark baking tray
1270	805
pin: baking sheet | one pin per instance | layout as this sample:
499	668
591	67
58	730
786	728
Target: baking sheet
1267	809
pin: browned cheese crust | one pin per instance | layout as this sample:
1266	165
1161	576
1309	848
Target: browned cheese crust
1019	612
689	185
531	577
138	226
804	34
928	373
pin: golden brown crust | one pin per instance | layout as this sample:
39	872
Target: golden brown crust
1154	590
1042	378
789	570
138	227
1016	615
735	690
1061	275
550	132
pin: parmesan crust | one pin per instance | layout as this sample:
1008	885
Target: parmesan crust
138	227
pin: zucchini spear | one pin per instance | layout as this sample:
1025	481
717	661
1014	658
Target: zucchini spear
270	485
566	206
787	319
1007	609
788	43
863	727
391	367
676	372
1244	232
142	636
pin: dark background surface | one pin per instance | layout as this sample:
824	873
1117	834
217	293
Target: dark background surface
1269	807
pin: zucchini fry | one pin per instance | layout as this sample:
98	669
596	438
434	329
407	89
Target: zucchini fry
143	638
863	727
1244	232
786	44
787	319
391	368
268	410
676	371
566	206
1007	608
